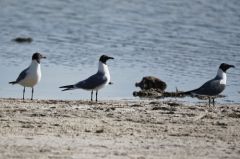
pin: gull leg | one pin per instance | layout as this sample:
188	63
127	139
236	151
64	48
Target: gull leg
96	95
209	101
32	93
91	95
213	101
23	92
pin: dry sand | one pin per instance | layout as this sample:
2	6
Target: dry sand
118	129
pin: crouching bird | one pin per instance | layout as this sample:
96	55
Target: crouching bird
95	82
31	75
214	86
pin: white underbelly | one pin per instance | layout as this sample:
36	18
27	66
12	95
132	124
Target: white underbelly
30	81
101	86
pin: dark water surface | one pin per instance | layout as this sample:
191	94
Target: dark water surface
181	42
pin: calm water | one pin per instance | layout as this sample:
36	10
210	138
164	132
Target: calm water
181	42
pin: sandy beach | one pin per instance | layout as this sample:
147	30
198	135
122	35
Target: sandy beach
138	129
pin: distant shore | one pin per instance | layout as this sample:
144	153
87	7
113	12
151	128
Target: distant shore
118	129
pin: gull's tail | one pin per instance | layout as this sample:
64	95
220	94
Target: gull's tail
13	82
68	87
188	93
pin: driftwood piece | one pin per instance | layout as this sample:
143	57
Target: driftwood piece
155	93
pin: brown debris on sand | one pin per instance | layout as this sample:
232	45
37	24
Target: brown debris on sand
150	82
156	93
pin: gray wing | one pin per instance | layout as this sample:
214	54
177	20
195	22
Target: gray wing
22	75
92	82
211	88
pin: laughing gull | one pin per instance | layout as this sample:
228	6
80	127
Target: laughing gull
31	75
96	81
214	86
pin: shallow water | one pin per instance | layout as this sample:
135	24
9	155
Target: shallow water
181	42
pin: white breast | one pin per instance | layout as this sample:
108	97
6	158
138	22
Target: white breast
33	75
223	76
104	69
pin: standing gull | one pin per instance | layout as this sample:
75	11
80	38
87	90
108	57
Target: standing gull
31	75
96	81
214	86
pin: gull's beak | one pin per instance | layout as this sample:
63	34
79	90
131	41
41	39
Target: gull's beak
43	57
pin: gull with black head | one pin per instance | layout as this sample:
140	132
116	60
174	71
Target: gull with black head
214	86
95	82
31	75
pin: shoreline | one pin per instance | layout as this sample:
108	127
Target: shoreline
118	129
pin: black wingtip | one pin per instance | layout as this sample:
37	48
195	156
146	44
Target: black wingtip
68	87
183	94
13	82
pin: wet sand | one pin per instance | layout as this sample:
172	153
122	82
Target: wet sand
118	129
